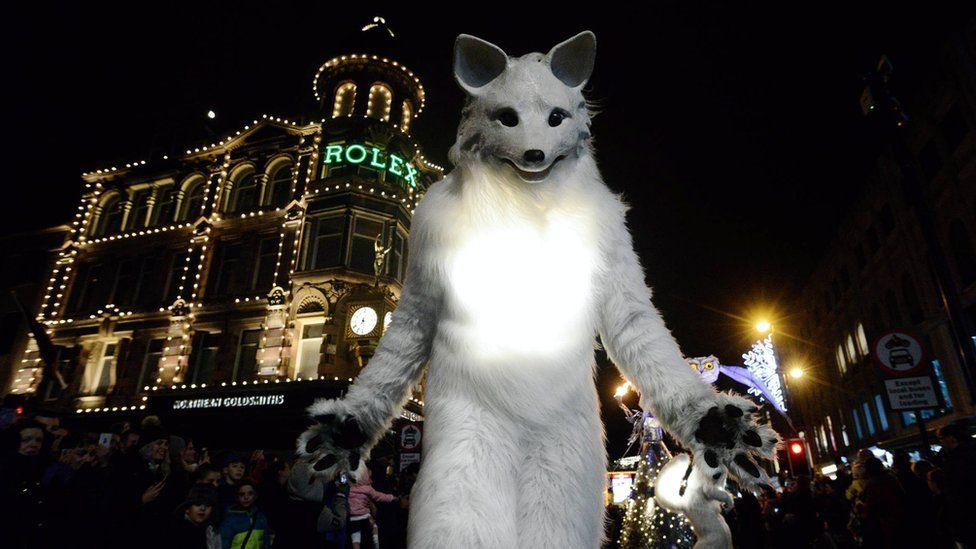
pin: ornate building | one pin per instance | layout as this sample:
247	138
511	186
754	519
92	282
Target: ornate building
258	271
877	276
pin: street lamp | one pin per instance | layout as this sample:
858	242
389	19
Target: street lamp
763	326
796	372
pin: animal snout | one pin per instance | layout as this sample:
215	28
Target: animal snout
534	156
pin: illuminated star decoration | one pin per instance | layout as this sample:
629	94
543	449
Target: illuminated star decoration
378	22
761	375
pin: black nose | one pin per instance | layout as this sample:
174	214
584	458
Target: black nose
534	155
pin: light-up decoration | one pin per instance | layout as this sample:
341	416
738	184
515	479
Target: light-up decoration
374	157
380	101
708	368
345	98
761	362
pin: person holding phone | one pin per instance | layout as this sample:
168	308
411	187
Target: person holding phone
144	492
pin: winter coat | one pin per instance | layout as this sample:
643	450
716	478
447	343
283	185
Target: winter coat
184	534
360	495
237	522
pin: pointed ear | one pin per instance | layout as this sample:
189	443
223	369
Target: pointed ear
572	61
476	62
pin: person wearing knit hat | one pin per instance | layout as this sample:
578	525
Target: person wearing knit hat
193	525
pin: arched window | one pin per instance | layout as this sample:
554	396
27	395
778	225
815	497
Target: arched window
244	194
310	305
962	252
345	100
406	116
841	361
140	209
193	200
111	219
279	187
380	99
862	340
165	204
851	351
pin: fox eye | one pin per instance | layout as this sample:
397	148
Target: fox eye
508	118
557	116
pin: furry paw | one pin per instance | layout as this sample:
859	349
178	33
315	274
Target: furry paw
335	444
729	439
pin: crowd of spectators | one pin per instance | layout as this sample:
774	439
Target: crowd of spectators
926	503
143	486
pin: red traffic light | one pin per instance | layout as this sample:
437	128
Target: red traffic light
796	455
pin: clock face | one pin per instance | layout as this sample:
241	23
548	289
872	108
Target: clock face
386	320
363	321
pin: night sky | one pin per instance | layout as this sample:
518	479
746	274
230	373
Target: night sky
734	132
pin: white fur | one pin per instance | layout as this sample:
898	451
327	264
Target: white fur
701	501
508	284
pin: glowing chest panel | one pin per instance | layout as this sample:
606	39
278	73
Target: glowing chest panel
521	286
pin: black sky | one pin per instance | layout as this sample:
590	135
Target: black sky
734	131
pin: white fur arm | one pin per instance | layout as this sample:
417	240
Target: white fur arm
383	387
638	342
718	428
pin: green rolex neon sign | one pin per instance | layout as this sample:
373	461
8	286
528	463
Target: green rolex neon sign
374	157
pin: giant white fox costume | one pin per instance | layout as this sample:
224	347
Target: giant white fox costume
518	259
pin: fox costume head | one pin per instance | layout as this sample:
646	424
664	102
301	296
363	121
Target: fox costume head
525	115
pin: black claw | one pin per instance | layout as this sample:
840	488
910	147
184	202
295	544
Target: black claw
313	443
752	438
354	461
711	458
752	409
733	411
747	465
325	418
325	463
717	475
350	434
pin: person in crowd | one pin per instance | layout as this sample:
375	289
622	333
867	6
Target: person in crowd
274	491
843	476
921	469
86	491
309	519
193	522
748	532
360	516
835	512
882	508
800	525
143	494
232	474
244	526
958	457
208	474
941	538
257	464
31	484
918	500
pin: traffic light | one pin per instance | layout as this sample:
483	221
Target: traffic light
796	453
